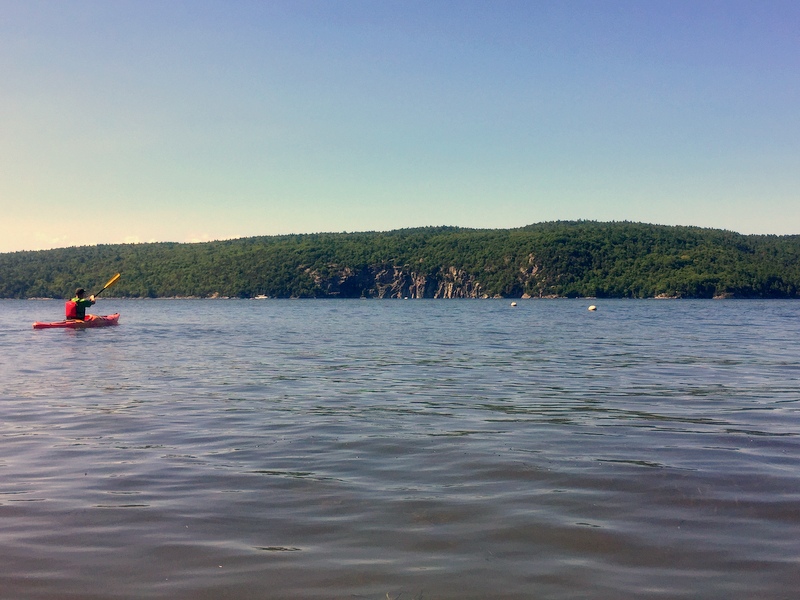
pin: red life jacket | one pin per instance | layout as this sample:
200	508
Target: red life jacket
71	309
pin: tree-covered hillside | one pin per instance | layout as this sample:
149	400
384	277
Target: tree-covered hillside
581	258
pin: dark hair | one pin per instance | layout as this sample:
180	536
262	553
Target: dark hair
80	292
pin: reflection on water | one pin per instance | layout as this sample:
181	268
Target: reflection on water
414	449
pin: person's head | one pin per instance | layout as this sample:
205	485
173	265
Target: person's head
80	292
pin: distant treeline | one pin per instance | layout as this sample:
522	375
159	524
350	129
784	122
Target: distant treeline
583	258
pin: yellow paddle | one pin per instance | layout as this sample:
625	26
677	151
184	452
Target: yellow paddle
111	282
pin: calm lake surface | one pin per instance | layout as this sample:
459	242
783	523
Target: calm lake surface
439	449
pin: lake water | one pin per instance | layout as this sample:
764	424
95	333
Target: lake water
246	449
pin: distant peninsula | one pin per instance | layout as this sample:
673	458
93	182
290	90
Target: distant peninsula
544	260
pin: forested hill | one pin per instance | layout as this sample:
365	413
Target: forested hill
572	259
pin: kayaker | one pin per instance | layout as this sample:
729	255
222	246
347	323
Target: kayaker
76	308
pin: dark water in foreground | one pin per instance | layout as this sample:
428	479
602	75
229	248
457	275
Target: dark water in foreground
412	449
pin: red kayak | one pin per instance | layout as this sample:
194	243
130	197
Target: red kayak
91	321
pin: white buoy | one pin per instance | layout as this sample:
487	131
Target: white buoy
513	304
592	307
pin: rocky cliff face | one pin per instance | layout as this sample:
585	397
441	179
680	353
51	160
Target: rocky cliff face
389	281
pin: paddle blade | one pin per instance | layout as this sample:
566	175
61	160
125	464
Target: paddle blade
111	282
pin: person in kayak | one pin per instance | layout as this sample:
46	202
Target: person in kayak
76	308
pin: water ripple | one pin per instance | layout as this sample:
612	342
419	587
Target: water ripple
416	449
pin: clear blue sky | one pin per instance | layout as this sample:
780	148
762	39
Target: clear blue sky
195	120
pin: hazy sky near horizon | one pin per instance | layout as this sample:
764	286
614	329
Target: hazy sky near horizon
192	120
